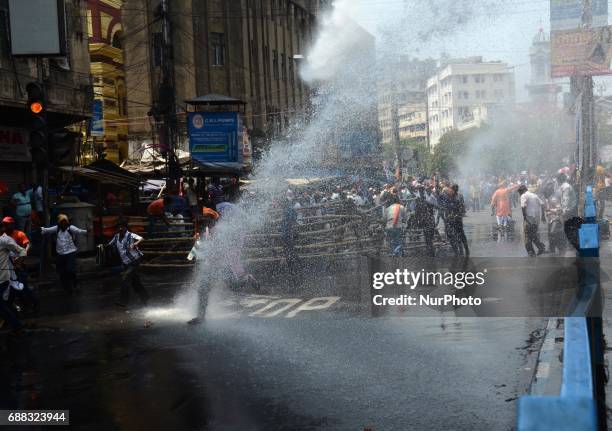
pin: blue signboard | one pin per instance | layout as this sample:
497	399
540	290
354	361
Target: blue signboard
215	137
97	119
567	14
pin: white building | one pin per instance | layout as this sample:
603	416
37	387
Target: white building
464	92
542	90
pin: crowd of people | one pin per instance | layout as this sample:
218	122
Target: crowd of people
424	205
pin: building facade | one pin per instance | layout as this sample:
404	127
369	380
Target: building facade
105	33
465	92
243	49
67	84
402	100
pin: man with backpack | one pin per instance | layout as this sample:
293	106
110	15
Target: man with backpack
127	245
66	249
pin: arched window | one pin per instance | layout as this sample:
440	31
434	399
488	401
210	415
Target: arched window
117	42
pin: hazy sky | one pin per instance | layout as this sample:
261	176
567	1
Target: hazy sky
501	33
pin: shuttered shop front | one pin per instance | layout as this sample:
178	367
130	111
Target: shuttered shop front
15	164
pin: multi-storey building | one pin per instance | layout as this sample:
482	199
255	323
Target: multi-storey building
105	48
242	49
67	84
462	88
402	100
412	120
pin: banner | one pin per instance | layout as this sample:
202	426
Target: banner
567	14
586	52
97	119
14	145
214	137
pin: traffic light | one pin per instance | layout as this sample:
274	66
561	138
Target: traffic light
36	106
36	98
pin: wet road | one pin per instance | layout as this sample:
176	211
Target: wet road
332	368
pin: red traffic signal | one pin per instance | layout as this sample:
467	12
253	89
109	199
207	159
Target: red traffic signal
36	98
36	107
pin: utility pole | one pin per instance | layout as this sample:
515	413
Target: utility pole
167	99
582	92
395	137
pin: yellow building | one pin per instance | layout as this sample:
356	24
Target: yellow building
106	54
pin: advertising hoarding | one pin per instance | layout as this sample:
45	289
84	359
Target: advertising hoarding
586	52
37	27
97	119
14	145
215	137
567	14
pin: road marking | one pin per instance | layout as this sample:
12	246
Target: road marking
288	303
543	370
324	302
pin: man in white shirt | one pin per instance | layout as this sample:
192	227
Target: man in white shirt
191	195
533	212
127	245
8	246
66	248
567	198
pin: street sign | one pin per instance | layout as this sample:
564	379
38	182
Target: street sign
97	119
215	137
37	27
13	145
567	14
585	52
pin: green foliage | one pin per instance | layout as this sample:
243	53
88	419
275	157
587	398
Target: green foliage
452	146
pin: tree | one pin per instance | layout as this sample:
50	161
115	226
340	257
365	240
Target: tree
452	146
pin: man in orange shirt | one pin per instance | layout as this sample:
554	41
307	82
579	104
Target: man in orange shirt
25	295
500	207
18	236
157	211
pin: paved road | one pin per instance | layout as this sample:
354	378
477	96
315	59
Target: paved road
331	368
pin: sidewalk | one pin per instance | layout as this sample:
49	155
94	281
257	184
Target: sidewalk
606	285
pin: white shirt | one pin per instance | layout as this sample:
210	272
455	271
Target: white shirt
174	219
38	199
8	246
533	206
191	195
123	246
64	244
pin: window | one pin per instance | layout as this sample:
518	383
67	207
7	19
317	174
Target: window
291	74
275	64
477	94
218	49
466	95
464	79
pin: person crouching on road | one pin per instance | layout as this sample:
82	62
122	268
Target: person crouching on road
157	211
127	245
533	212
66	249
25	294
